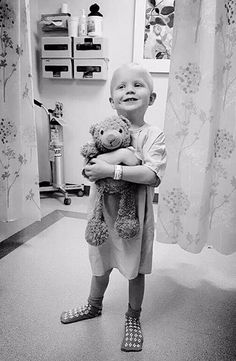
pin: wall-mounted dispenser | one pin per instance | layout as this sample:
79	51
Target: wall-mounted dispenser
57	57
90	47
74	57
57	68
93	69
56	47
90	58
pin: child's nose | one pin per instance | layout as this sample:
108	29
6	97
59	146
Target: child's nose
130	89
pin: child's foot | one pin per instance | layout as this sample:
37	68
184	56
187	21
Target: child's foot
133	338
80	313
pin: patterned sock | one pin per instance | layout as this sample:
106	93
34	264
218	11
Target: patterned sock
96	302
133	338
133	313
80	313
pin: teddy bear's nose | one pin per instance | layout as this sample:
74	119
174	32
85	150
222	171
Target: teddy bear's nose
111	137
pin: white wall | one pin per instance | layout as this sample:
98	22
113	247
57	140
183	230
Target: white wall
86	101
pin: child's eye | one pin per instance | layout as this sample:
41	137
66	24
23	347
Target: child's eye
138	84
121	86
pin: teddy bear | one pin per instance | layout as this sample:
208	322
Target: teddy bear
109	135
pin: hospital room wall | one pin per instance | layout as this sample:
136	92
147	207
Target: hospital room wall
84	101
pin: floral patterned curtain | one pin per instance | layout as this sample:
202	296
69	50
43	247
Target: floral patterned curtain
198	194
19	189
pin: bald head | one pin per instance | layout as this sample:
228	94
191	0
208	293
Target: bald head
131	68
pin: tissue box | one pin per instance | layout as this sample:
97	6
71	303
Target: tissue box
54	22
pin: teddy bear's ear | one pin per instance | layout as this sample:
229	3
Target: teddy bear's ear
125	120
92	129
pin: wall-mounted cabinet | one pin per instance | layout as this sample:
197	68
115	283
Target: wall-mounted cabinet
74	58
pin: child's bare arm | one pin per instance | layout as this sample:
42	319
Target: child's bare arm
120	156
141	174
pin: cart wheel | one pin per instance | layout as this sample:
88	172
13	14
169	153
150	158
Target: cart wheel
67	201
80	193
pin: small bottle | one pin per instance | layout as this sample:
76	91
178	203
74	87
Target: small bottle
83	24
95	20
64	8
73	24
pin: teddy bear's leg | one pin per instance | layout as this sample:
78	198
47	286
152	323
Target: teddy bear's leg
96	231
127	223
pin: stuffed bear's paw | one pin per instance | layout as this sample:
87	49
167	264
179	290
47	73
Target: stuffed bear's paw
89	150
127	227
96	232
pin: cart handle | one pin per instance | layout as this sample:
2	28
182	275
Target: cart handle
36	102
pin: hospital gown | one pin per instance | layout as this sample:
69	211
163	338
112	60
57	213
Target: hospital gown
132	256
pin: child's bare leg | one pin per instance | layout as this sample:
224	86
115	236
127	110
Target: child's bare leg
94	306
133	338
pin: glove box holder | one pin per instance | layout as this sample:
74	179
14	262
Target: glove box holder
90	69
57	68
74	58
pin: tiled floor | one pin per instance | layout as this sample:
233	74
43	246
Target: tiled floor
188	310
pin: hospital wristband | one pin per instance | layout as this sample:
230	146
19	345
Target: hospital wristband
118	173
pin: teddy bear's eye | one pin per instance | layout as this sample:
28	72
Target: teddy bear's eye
101	132
121	131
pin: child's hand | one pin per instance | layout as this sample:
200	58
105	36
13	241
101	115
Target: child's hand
97	169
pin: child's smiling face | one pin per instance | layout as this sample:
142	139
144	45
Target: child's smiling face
131	91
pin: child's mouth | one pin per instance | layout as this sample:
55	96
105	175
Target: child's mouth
130	100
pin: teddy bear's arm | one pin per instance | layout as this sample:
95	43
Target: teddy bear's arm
89	150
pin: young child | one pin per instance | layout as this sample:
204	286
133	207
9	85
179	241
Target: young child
131	94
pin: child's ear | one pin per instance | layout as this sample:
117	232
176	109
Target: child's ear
111	102
152	98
